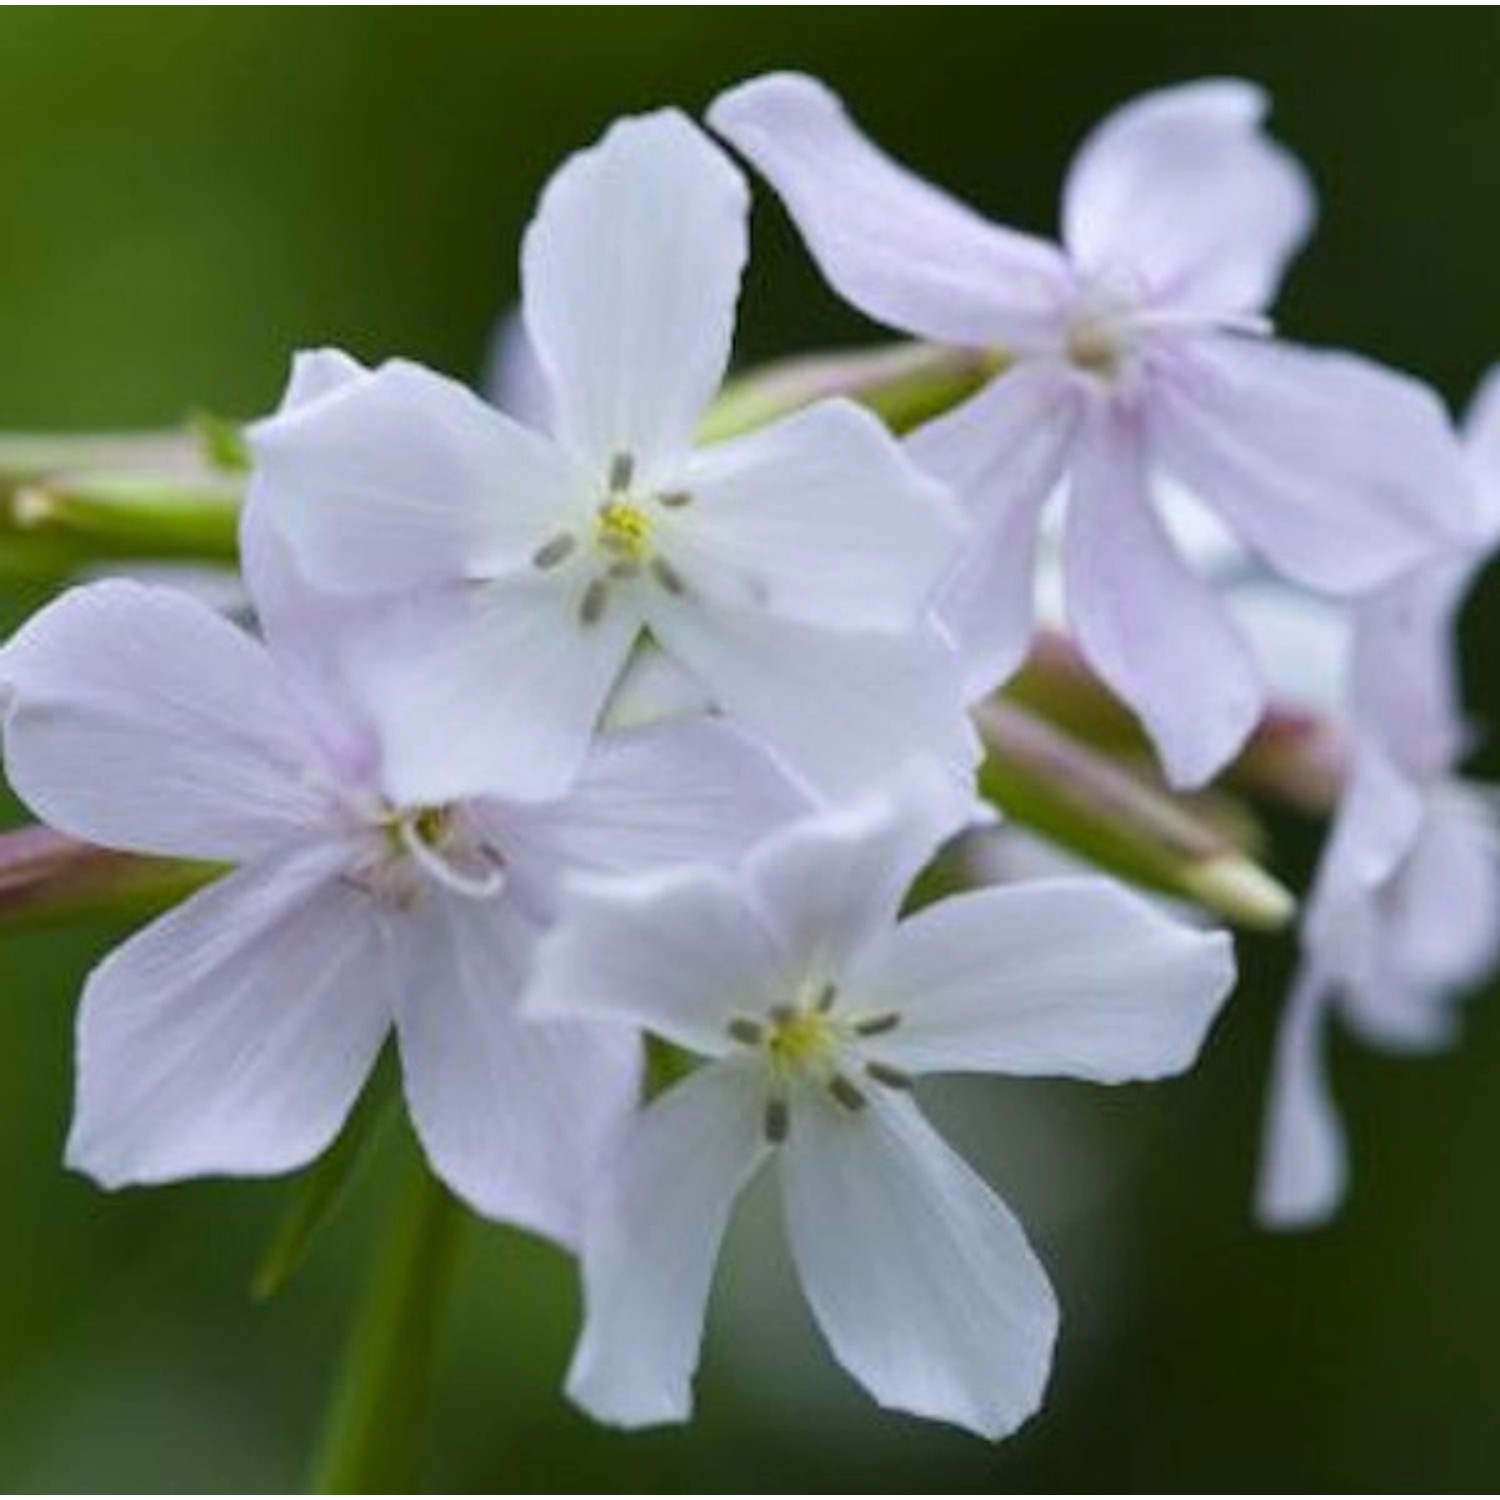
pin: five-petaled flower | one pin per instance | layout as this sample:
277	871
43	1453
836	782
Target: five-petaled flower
1138	360
510	572
817	1011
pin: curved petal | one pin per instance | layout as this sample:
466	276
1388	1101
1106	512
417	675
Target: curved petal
690	792
514	1116
489	689
830	885
1303	641
631	271
233	1035
840	707
680	952
1482	447
900	250
139	719
1150	629
918	1275
405	478
819	517
1303	1161
652	1239
1341	473
1181	189
1003	453
1074	978
514	381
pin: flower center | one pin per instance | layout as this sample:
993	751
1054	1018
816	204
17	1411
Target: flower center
416	845
624	530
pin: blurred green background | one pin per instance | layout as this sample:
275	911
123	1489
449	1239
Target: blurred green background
185	198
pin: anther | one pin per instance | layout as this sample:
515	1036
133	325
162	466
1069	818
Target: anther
878	1025
826	996
750	1033
667	576
595	597
892	1078
846	1093
783	1015
675	499
777	1120
621	471
549	554
624	570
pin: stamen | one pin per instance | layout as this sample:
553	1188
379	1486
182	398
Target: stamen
487	878
878	1025
783	1015
892	1078
549	554
845	1093
749	1032
777	1120
621	471
826	996
595	597
667	576
624	570
675	499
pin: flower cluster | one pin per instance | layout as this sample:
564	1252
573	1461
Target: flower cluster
580	722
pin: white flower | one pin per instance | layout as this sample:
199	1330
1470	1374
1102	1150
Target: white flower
1137	358
233	1035
1404	915
510	572
817	1010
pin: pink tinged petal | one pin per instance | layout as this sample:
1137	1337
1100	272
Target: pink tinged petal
489	689
631	271
405	478
900	250
652	1239
819	518
1303	641
1482	447
840	707
139	719
1182	190
695	791
515	1116
1303	1162
918	1275
833	884
1074	978
1150	629
1341	473
232	1036
679	952
1003	453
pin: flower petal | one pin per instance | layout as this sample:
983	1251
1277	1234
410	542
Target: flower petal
514	1116
514	380
405	478
1003	453
233	1035
1149	628
918	1275
1482	444
1070	977
1182	189
1341	473
631	270
139	719
840	707
492	689
1303	1161
653	1237
821	518
900	250
680	952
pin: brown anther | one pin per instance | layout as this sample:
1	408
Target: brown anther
846	1093
595	597
878	1025
621	471
667	576
675	499
751	1033
624	570
783	1015
777	1120
549	554
826	996
892	1078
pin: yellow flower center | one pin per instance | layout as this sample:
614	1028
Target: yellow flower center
801	1039
624	531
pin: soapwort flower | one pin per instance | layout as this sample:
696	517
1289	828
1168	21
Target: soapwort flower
1404	915
233	1035
1137	356
817	1010
509	572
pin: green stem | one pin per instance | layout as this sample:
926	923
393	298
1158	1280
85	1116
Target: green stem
372	1443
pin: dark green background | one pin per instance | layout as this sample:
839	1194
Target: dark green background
187	197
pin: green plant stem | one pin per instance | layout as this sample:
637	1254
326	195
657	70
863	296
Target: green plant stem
372	1440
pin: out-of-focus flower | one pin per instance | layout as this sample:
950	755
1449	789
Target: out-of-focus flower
1137	356
1405	910
817	1010
510	573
